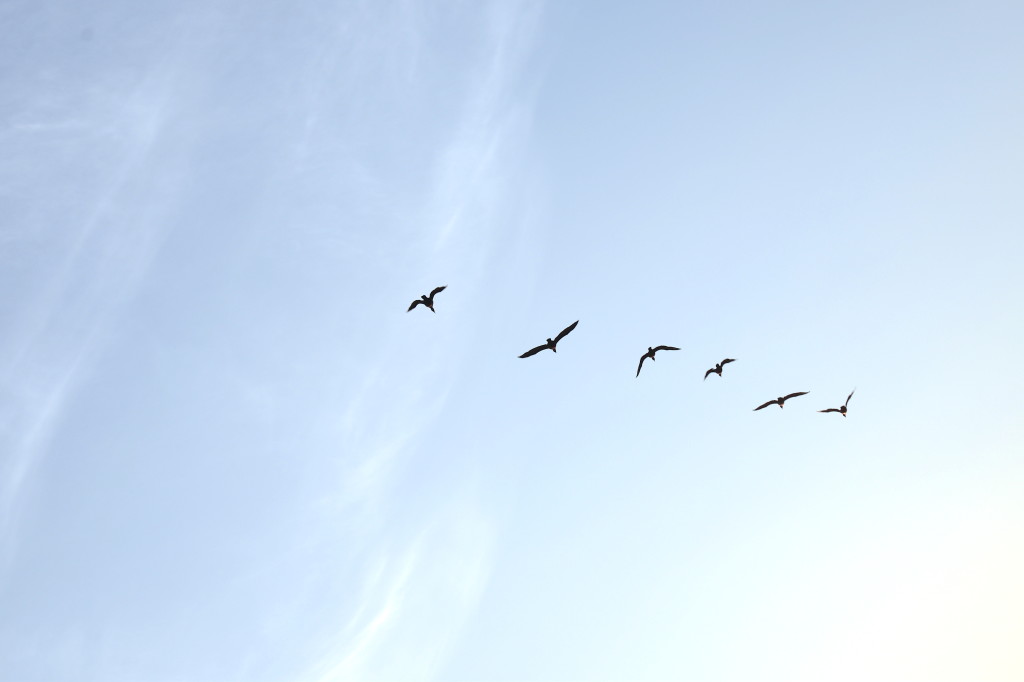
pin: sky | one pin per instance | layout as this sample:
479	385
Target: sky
228	452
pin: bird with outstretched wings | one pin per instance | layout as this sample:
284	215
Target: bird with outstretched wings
780	400
842	409
551	343
717	369
427	300
650	354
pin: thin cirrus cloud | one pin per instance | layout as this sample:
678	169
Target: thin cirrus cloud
424	591
158	227
80	257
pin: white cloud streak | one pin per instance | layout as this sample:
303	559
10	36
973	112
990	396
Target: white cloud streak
434	582
86	244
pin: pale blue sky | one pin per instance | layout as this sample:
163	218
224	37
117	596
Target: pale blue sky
228	453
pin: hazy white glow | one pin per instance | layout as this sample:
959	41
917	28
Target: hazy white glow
227	452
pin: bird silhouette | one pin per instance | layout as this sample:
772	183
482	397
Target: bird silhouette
717	369
650	354
779	401
427	300
841	410
551	343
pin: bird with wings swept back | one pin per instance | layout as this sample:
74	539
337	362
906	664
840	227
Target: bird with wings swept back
650	354
780	400
551	343
427	300
717	369
842	409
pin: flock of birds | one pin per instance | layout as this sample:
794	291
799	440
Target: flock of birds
552	344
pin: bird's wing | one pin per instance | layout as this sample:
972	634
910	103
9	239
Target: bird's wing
770	402
414	304
534	351
708	372
666	348
437	291
642	358
728	360
848	397
831	409
566	331
793	395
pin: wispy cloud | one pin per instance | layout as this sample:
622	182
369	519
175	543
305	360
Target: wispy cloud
84	248
408	620
126	157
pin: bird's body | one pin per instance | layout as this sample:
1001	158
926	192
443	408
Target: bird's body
650	354
550	344
427	300
842	408
780	400
717	369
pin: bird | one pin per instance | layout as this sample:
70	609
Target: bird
779	401
427	300
717	369
841	410
650	354
551	343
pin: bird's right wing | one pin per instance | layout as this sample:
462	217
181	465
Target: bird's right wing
414	304
770	402
534	351
831	409
707	373
848	397
562	334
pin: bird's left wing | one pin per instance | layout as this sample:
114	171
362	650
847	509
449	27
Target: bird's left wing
534	351
848	397
438	290
642	358
793	395
666	348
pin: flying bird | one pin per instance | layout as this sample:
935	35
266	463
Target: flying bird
650	354
841	410
779	401
551	343
427	300
717	369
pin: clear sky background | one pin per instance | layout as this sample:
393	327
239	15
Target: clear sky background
228	453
